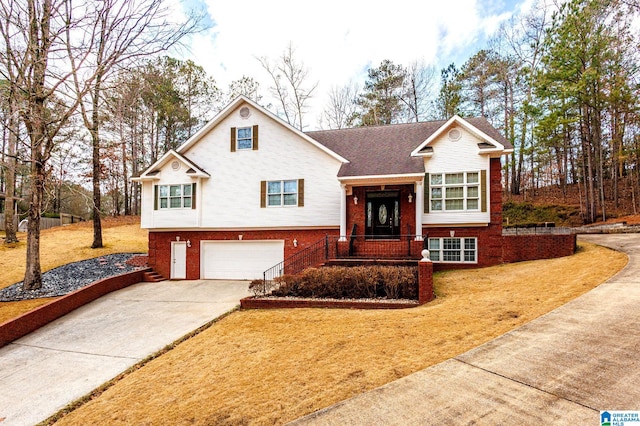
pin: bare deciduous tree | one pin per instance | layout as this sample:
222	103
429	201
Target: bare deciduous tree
342	110
291	86
418	90
119	31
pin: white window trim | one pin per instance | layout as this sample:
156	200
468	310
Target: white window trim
168	197
282	194
462	250
250	138
465	185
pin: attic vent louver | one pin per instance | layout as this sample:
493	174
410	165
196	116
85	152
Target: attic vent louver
175	165
245	112
455	135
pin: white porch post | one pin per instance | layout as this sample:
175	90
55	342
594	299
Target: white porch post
343	212
419	208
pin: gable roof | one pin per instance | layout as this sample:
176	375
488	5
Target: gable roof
387	150
232	107
492	140
154	170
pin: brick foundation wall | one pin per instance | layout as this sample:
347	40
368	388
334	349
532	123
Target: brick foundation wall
42	315
518	248
160	244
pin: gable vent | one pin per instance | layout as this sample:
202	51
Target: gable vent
245	112
175	165
455	135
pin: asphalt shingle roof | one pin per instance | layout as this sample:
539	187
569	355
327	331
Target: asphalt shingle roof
386	150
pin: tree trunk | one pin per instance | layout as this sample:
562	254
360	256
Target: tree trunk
33	274
10	187
95	144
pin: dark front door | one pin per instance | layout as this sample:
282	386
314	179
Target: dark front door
383	215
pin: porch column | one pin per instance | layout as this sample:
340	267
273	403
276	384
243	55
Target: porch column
419	208
343	212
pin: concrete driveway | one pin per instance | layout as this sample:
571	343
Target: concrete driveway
65	360
562	368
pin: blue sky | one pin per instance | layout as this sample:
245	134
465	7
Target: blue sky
339	39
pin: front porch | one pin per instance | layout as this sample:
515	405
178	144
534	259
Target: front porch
390	212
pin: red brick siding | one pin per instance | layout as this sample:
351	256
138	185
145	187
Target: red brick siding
160	245
425	282
518	248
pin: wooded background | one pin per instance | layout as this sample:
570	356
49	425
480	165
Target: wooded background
98	100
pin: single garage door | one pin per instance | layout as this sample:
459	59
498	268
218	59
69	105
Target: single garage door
239	260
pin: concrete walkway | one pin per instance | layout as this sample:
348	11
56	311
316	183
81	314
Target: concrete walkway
562	368
65	360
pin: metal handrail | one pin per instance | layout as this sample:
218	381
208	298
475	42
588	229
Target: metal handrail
309	256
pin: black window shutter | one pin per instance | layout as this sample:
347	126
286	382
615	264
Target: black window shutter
193	195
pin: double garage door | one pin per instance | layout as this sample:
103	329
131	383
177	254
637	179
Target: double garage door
239	260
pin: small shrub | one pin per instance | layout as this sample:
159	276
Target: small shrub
260	287
391	282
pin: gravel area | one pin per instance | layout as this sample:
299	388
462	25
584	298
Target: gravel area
67	278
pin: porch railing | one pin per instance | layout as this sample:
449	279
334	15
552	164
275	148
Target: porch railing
315	254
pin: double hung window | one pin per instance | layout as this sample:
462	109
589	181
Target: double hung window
244	139
454	191
282	193
175	196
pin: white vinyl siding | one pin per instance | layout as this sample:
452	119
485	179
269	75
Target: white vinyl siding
462	161
232	198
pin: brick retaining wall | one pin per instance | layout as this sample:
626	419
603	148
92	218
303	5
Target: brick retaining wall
33	320
518	248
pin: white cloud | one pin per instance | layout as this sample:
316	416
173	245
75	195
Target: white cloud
337	39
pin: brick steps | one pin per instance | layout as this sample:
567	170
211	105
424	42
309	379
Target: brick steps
152	277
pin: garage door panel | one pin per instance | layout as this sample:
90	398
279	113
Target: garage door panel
239	259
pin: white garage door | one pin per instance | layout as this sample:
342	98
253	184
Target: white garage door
240	260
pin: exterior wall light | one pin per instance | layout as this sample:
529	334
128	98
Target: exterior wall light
355	200
410	198
295	242
188	243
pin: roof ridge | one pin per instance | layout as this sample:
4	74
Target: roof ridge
379	126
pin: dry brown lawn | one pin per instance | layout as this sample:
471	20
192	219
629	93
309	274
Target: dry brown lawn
265	367
62	245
